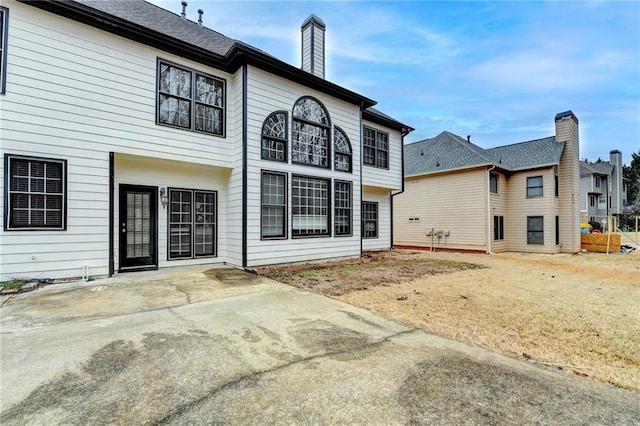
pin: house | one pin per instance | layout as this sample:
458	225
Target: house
134	138
520	197
603	190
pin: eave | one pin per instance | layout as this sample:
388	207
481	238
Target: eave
238	55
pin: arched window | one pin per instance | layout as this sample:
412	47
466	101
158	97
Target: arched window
274	137
342	151
310	133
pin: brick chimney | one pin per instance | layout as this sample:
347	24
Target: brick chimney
569	182
313	45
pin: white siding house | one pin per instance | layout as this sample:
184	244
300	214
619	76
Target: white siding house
135	139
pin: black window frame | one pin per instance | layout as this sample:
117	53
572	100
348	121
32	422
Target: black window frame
193	102
297	195
299	123
493	183
192	223
498	228
4	35
371	148
535	236
283	207
339	152
341	210
272	143
532	185
365	219
10	193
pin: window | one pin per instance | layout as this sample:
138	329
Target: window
4	21
493	183
592	201
498	228
274	137
557	185
190	100
597	179
369	219
310	206
557	230
274	205
310	129
376	148
192	223
535	230
534	186
342	151
37	193
342	203
602	202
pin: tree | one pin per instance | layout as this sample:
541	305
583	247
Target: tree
632	173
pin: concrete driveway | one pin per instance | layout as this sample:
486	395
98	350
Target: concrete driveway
219	346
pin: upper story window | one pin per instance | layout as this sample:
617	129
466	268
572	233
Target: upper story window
310	133
36	193
342	151
597	179
493	183
534	186
376	148
274	137
189	99
4	21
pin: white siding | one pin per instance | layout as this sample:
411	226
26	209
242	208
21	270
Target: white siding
173	174
383	198
455	202
386	178
268	93
77	93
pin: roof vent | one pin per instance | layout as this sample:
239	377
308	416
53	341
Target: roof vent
469	138
200	12
184	10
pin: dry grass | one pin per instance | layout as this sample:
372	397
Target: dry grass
581	313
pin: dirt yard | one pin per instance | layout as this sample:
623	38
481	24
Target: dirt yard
580	313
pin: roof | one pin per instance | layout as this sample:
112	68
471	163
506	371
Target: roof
381	118
154	26
601	168
447	152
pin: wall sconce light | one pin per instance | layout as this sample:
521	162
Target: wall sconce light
164	199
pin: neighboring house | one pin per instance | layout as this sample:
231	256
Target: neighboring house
133	138
520	197
603	190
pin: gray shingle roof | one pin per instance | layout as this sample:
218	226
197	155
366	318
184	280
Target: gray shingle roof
528	154
602	168
449	152
163	21
376	115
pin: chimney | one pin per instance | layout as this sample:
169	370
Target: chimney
313	46
566	124
200	12
617	197
184	10
469	138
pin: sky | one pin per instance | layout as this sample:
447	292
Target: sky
499	71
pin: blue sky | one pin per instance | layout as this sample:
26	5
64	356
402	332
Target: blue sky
498	71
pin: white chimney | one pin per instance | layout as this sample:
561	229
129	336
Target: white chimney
313	46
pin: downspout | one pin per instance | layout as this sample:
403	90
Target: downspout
245	144
488	221
361	164
404	133
111	212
